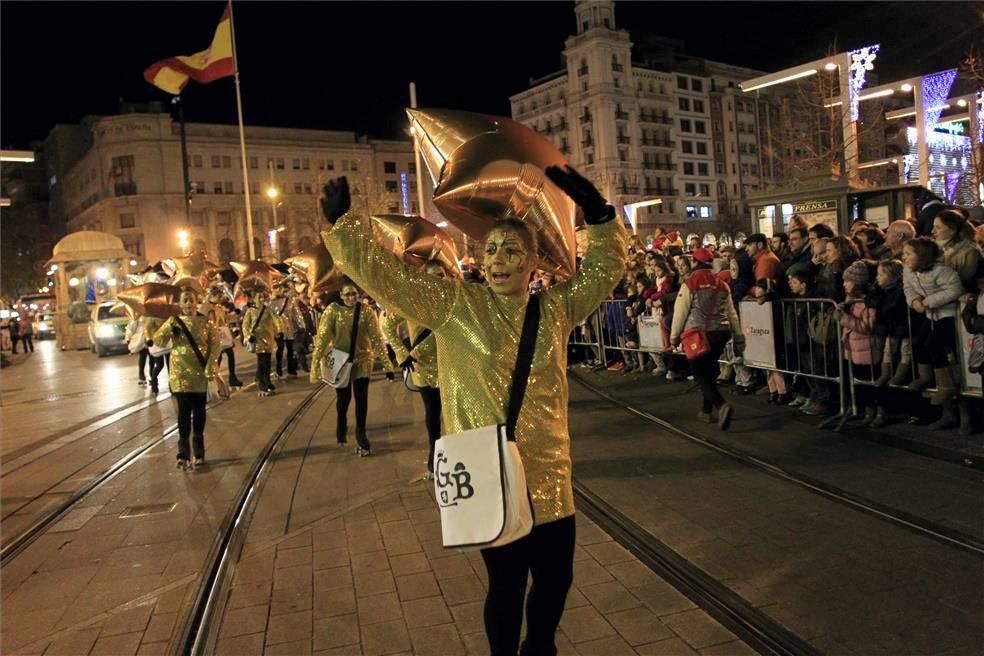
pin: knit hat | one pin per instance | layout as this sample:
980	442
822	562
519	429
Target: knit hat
705	255
857	273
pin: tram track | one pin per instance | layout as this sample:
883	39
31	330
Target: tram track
927	528
197	632
13	546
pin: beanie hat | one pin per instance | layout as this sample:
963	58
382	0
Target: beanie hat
857	273
704	255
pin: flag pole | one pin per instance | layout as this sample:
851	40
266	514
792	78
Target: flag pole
242	140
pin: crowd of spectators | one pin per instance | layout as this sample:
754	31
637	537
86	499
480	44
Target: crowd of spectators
879	305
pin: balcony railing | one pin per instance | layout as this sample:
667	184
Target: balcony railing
618	68
621	116
658	143
587	143
660	191
125	189
622	139
659	166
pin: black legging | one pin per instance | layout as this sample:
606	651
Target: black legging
431	397
291	358
142	356
263	382
933	342
230	354
706	369
361	387
157	366
191	422
547	554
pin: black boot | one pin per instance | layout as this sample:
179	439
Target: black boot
949	418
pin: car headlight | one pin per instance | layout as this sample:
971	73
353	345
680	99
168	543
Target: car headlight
43	325
104	332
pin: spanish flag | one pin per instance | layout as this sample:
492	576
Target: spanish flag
173	73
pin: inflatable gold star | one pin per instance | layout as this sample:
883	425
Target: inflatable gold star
253	274
192	270
152	299
316	265
489	167
418	241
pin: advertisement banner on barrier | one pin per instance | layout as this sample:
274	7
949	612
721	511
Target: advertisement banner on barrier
650	334
969	382
760	339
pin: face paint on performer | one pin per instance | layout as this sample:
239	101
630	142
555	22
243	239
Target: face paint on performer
350	295
509	262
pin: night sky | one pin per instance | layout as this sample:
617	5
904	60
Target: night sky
345	65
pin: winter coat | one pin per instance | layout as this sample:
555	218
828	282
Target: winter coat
746	277
928	214
939	288
861	344
891	310
963	257
830	283
704	301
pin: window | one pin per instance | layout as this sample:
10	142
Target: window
702	168
691	211
688	146
589	158
216	162
254	162
700	127
389	167
681	82
685	125
254	188
127	221
355	165
198	187
684	105
391	186
308	189
622	156
216	187
699	106
690	189
705	189
731	126
223	218
717	147
705	212
228	188
197	218
696	85
226	162
298	188
701	147
688	168
296	164
280	162
306	164
329	165
196	161
345	165
719	168
134	245
412	168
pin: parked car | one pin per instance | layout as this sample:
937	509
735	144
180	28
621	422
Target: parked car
44	327
107	328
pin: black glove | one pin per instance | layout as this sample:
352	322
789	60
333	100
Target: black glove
390	376
596	209
280	336
335	201
407	365
149	343
252	339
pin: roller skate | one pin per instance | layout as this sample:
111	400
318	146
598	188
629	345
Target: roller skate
142	382
197	462
362	453
235	383
184	464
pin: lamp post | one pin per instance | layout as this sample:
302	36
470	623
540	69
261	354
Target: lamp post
183	242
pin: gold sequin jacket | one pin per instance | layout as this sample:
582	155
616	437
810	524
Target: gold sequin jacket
424	372
266	331
185	371
335	331
477	333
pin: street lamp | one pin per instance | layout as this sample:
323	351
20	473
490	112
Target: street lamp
272	193
183	241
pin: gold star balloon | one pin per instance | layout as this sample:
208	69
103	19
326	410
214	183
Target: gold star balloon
316	265
191	270
489	167
418	241
152	299
254	273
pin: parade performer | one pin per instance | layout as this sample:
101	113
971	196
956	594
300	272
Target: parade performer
194	357
260	328
284	305
218	314
133	327
335	331
420	362
477	330
151	326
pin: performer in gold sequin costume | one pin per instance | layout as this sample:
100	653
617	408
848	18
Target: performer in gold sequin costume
188	377
335	332
477	330
218	313
260	328
421	364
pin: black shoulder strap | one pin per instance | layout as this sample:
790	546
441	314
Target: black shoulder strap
524	362
421	336
355	330
259	317
191	340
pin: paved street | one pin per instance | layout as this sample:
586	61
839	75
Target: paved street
343	554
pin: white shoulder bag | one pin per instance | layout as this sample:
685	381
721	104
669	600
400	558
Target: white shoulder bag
336	366
479	478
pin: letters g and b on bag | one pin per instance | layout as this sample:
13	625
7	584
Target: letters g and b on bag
479	478
336	366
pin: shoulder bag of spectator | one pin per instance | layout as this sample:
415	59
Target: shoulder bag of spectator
479	478
694	341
